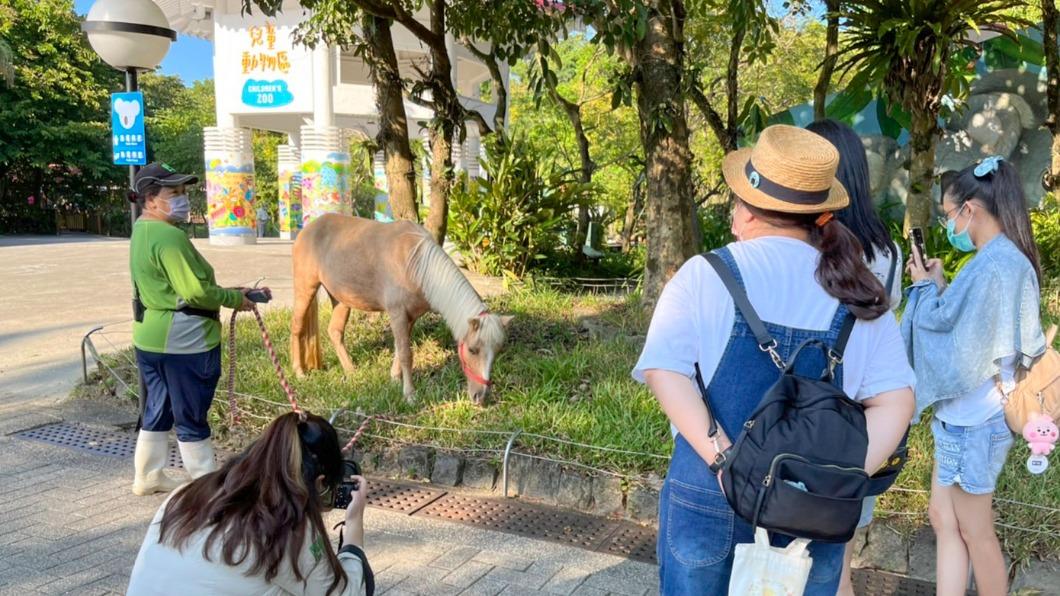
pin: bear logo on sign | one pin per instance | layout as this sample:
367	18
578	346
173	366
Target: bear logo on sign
127	112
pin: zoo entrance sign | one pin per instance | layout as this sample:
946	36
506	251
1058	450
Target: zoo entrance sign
258	68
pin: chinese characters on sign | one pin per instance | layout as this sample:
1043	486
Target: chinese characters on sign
266	59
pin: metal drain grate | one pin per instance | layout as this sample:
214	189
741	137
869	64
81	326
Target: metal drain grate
633	542
525	520
879	583
403	498
82	438
97	442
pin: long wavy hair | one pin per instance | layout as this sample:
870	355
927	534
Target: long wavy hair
261	504
853	173
841	271
1002	194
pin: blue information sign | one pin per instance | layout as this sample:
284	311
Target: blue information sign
127	129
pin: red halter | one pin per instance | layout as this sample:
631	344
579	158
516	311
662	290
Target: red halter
470	374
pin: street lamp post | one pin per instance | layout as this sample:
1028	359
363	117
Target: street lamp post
130	35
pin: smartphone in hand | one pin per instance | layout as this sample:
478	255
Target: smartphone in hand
917	237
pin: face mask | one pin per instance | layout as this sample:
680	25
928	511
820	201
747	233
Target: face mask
961	241
732	226
179	209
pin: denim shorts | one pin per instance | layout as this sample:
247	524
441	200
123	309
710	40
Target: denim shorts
971	456
868	507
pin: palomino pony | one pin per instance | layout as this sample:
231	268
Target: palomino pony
396	268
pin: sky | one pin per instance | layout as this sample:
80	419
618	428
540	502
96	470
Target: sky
190	58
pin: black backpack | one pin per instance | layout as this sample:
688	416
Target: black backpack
797	466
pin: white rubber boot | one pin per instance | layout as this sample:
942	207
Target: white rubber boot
149	459
198	457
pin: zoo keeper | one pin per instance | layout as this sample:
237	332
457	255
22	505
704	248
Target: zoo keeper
177	331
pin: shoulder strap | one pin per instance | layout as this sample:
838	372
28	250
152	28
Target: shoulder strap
739	298
844	335
894	269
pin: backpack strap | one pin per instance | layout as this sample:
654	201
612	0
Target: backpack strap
844	336
766	343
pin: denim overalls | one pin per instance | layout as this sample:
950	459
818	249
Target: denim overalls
697	528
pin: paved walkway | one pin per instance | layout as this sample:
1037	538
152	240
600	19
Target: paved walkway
68	523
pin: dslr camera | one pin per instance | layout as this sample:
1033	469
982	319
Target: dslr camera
347	486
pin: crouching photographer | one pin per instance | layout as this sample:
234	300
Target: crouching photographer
256	525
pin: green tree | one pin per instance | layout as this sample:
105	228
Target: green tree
54	118
650	38
914	54
583	72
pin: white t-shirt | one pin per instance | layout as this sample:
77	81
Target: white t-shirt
161	570
882	266
694	317
982	403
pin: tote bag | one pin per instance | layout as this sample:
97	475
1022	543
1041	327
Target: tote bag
759	569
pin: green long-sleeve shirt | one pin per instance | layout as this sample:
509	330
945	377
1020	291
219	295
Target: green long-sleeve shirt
171	274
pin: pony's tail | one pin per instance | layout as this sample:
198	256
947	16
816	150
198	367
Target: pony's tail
310	339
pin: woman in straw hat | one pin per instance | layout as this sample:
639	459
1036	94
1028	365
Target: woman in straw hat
803	272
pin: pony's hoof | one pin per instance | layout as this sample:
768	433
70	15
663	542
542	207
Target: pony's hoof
410	397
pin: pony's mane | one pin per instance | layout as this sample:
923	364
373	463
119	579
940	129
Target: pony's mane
445	287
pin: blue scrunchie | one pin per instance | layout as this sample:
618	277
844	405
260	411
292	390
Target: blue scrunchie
987	165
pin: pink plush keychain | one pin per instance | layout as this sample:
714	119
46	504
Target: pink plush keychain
1041	434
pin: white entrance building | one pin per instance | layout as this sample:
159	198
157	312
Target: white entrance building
320	98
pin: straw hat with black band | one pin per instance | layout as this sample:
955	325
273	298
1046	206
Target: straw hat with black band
789	170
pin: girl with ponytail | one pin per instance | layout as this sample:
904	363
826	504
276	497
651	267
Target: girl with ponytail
803	272
881	255
967	340
256	525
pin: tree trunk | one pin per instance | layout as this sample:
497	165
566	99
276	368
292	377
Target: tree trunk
448	120
630	222
441	180
1050	22
732	91
574	114
658	64
831	49
922	139
393	123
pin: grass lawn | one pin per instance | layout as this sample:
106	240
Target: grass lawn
557	379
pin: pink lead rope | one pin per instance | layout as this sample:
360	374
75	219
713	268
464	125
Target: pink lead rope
232	405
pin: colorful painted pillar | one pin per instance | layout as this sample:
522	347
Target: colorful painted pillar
325	172
289	187
230	209
382	211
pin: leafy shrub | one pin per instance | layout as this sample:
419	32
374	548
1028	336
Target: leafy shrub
1046	222
510	219
715	222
